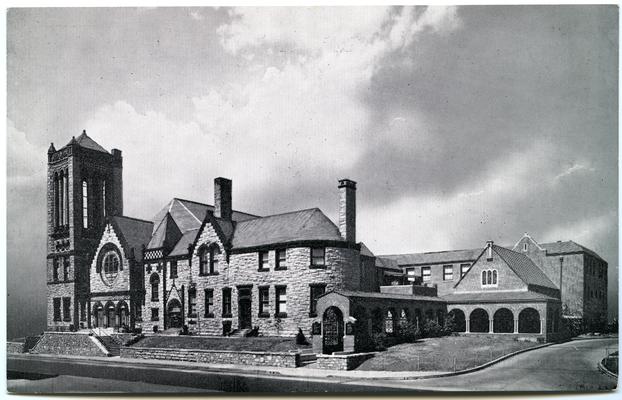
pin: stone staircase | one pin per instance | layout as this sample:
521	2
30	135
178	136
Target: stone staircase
111	344
307	358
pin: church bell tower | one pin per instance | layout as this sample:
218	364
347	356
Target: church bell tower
84	188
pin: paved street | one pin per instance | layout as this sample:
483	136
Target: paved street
568	366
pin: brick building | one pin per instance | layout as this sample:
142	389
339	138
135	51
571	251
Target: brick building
582	273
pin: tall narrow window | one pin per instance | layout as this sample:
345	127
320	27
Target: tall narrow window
203	260
448	272
214	252
209	303
318	257
56	205
85	205
264	261
56	302
494	277
65	268
280	259
61	199
281	301
55	269
316	291
66	308
192	302
426	273
104	198
464	268
226	302
173	269
155	287
483	277
264	301
66	211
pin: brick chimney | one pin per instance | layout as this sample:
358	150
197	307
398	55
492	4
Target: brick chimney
347	210
222	198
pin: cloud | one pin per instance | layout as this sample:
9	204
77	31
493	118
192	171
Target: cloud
573	169
26	161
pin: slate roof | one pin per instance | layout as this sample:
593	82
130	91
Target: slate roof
85	141
524	267
496	296
388	263
181	248
189	214
365	250
304	225
435	257
166	234
567	247
377	295
133	232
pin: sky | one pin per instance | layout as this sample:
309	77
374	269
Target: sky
460	124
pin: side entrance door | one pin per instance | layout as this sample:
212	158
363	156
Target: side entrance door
332	330
245	319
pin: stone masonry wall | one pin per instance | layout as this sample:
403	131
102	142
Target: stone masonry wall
506	278
342	362
15	347
342	271
122	282
286	360
77	344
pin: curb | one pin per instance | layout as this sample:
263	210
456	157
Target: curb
604	370
464	371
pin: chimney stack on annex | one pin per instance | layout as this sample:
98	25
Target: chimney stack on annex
347	210
222	198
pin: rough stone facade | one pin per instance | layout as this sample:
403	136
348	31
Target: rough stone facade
270	359
342	362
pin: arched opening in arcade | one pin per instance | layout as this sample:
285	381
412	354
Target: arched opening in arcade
478	321
529	321
459	320
174	314
503	321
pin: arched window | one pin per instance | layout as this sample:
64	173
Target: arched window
85	204
489	280
110	267
203	260
388	322
155	286
489	277
483	277
494	277
214	252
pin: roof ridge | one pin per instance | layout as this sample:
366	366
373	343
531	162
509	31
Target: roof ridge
288	212
428	252
190	212
132	218
211	205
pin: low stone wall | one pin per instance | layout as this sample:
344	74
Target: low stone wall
342	362
288	360
68	343
15	347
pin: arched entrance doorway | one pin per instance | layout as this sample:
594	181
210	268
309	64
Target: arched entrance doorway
503	321
459	320
478	321
123	314
332	332
111	317
529	321
173	312
98	315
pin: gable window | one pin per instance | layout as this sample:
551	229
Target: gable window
318	257
525	247
426	274
410	274
155	287
209	303
85	205
448	272
280	259
264	261
192	303
56	302
214	252
173	269
464	268
317	290
489	277
55	269
226	302
281	301
66	309
264	301
155	314
65	268
203	260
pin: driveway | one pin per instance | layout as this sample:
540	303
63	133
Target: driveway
568	366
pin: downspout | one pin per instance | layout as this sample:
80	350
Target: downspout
561	275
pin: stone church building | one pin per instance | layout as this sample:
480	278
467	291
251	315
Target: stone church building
214	270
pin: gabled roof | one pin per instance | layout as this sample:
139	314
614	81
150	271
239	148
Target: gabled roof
365	250
133	233
524	267
569	246
304	225
85	141
378	295
189	214
388	263
181	248
166	234
435	257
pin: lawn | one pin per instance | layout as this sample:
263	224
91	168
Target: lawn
275	344
438	354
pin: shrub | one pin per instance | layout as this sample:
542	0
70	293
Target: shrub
408	332
449	326
431	328
300	338
379	341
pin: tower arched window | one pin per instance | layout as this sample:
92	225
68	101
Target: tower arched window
85	204
155	287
